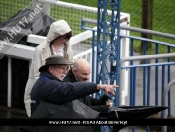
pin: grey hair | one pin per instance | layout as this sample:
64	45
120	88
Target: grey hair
54	66
75	65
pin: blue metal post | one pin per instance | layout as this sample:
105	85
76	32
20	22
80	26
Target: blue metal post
93	45
134	86
148	85
108	44
131	73
144	73
156	77
117	44
108	47
169	92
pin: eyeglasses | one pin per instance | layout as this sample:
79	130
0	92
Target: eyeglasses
61	67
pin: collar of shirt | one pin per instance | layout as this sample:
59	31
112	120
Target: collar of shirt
60	50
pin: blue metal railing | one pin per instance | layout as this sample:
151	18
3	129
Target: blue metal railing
146	76
147	68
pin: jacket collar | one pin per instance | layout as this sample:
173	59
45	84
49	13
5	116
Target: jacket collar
70	73
49	76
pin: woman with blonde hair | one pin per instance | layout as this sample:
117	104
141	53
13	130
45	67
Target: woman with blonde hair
57	43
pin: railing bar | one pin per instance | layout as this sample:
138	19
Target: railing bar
131	72
144	49
143	57
163	79
93	45
134	86
169	92
131	86
146	31
156	76
146	65
148	40
169	103
148	86
144	74
136	38
132	47
144	85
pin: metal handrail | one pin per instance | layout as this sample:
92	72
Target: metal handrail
148	40
146	31
144	57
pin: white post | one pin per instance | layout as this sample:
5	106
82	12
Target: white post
9	83
47	5
95	63
46	9
35	3
124	74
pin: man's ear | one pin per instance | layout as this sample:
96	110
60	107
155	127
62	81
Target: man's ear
74	71
50	69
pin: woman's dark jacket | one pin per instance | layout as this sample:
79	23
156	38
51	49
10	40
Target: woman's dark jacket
96	104
50	89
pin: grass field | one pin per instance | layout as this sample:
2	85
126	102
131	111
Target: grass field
163	18
163	14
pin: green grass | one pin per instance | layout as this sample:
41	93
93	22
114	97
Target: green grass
57	13
163	18
163	15
10	7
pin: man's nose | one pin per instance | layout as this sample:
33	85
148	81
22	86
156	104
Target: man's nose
65	71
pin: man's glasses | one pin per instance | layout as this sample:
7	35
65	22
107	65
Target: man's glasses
61	67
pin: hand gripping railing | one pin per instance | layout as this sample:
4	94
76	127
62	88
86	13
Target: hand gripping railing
164	102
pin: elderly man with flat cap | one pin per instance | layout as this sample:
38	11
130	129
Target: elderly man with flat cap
50	87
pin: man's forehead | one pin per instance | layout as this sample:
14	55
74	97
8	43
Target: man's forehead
85	70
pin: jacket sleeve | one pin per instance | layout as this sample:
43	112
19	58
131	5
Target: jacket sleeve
62	92
33	76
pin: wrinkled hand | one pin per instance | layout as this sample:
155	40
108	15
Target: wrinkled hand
109	89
